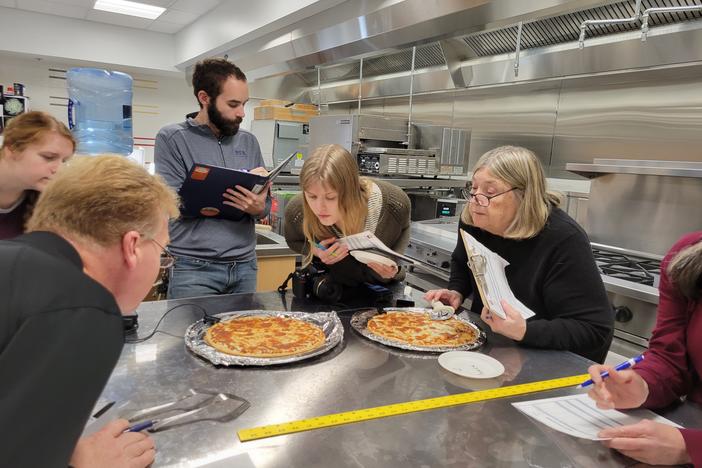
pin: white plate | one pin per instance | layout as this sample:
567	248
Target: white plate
470	364
370	257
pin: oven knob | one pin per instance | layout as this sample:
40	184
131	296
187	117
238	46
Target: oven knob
623	314
445	264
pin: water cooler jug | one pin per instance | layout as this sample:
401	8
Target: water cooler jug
102	103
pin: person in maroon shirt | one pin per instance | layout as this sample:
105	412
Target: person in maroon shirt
671	368
34	146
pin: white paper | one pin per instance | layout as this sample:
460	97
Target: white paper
496	285
577	415
368	240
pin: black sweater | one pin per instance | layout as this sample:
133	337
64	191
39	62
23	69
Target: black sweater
554	274
60	337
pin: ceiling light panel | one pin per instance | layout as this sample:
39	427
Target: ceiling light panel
125	7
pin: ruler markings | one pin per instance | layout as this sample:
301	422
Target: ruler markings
395	409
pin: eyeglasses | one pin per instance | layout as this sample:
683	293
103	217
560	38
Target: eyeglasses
167	259
479	198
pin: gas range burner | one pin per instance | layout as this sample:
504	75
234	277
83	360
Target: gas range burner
627	267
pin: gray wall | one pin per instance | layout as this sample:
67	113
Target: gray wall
653	114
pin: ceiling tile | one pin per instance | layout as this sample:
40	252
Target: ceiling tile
195	6
53	8
178	17
165	27
120	20
160	3
84	3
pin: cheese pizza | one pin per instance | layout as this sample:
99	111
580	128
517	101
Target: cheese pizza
264	336
418	329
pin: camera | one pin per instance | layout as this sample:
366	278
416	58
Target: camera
313	281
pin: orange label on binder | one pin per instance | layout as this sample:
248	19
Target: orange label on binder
209	211
200	173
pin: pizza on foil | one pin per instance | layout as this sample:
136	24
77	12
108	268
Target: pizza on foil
418	329
264	336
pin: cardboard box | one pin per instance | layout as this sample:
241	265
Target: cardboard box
283	103
274	102
283	113
306	107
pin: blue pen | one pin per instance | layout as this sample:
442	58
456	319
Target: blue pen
321	247
140	426
624	365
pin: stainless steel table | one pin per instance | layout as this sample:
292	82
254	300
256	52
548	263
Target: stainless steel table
356	374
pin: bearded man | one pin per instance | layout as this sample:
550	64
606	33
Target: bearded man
213	255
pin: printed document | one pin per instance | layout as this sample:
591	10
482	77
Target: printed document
577	415
490	278
366	240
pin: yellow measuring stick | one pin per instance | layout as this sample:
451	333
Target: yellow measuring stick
365	414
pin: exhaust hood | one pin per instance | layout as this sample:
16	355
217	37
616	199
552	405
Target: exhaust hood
465	44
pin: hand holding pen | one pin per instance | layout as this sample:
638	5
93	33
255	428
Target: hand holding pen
617	387
329	251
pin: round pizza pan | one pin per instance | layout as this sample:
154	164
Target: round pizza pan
328	321
359	321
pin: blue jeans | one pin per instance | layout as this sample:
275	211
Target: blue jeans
190	277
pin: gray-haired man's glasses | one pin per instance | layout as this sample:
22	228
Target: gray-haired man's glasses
167	259
481	199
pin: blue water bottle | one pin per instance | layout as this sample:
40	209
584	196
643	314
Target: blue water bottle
102	102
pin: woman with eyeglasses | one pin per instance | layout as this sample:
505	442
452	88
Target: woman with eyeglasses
551	268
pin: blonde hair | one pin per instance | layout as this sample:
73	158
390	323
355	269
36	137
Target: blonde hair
335	168
519	168
29	128
100	198
685	270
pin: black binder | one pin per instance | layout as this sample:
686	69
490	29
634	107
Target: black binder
203	189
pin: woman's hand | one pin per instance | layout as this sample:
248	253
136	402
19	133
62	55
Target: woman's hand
649	442
513	326
445	296
624	389
334	253
247	201
111	447
384	271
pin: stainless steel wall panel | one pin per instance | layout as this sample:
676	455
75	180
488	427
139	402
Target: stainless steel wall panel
435	109
649	115
428	80
524	116
623	207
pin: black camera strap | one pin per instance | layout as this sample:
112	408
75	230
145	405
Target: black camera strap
284	287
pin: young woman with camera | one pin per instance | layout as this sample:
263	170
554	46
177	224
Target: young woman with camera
337	202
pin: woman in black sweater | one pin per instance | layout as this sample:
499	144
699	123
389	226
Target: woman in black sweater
551	268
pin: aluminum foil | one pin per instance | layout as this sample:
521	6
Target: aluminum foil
328	321
359	321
